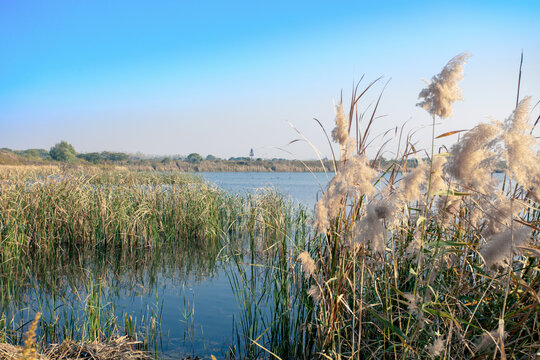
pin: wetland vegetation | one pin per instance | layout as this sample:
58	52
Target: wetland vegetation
441	262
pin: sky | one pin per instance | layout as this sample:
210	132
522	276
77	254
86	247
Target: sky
176	77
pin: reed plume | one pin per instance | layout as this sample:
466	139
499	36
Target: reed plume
523	163
443	90
340	134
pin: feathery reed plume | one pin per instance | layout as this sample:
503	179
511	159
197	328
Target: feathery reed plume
414	301
437	181
443	89
321	222
370	229
340	133
384	209
308	264
314	293
498	249
523	163
489	339
499	214
414	182
473	161
355	178
414	245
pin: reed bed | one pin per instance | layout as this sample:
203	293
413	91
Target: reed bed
440	261
44	213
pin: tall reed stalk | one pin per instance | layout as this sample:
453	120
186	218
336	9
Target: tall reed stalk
410	263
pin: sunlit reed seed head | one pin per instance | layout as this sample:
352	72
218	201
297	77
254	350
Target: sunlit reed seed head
384	209
498	249
321	220
415	245
308	264
414	301
359	176
447	207
437	181
472	160
523	163
499	213
354	178
370	230
414	182
340	134
443	90
436	348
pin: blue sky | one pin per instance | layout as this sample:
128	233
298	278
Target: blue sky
174	77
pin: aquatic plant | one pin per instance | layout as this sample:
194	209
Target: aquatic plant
394	279
438	261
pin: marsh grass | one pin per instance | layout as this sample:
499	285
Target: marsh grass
265	282
72	238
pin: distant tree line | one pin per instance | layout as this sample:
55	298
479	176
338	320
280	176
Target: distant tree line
103	157
66	153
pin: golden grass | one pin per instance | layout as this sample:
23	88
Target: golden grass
117	349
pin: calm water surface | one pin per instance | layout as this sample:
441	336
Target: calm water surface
301	187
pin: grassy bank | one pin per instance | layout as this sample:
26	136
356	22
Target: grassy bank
245	164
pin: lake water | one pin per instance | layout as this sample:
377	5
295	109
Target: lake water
301	187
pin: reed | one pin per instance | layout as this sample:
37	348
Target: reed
437	262
427	266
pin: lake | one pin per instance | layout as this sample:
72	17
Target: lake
300	187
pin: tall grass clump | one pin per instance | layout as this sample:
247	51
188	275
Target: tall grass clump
264	279
436	261
440	263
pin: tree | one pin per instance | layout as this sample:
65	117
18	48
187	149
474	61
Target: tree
114	156
92	157
63	152
251	154
194	158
